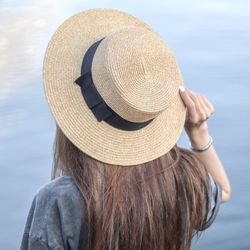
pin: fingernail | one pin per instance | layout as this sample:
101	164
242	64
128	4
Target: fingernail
182	89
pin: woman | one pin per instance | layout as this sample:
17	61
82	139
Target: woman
124	182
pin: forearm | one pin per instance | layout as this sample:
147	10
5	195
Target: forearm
211	160
199	109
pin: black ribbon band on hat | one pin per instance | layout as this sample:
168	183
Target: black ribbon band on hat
94	100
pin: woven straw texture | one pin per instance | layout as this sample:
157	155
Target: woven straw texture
134	71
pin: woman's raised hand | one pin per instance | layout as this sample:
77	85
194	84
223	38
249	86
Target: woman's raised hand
199	109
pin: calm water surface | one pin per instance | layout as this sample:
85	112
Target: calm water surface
211	40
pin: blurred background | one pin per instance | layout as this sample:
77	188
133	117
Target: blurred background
211	40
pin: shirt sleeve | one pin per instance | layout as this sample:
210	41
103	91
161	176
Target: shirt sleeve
27	241
214	197
55	219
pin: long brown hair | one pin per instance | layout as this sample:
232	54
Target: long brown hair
160	204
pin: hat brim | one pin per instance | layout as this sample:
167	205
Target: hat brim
62	65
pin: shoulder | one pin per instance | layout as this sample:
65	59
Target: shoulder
56	215
58	197
60	187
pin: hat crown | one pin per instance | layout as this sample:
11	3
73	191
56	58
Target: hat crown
136	73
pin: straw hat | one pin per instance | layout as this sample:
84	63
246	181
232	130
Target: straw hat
112	85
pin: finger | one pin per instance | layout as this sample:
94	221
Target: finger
199	108
186	98
205	111
204	101
208	104
191	108
191	93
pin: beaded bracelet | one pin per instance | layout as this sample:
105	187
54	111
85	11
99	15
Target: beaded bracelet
204	148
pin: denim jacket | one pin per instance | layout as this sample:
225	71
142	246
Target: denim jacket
56	217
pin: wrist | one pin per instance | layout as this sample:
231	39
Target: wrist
198	136
204	148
